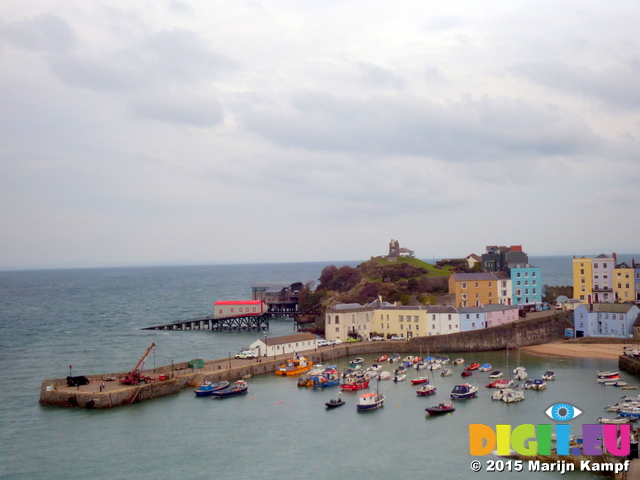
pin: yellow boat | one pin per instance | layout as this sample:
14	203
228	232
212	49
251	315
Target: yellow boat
294	366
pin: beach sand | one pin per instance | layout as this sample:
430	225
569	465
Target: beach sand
585	350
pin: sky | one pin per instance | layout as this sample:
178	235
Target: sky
289	131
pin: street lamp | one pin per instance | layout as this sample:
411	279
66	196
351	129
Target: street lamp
265	333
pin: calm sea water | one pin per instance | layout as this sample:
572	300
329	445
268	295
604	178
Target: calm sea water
91	319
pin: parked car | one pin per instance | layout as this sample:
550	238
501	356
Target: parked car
397	337
321	342
246	354
377	339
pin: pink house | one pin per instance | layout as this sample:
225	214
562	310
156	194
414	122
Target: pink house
500	314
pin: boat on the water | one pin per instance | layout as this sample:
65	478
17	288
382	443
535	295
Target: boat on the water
356	381
394	358
496	374
458	361
384	375
335	402
238	388
446	372
370	401
466	373
464	391
441	408
473	366
420	380
508	395
485	367
207	388
549	375
380	359
427	389
502	383
294	366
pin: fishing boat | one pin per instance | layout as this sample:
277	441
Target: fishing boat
335	402
464	391
207	388
496	374
306	381
238	388
420	380
370	401
458	361
441	408
356	381
426	390
328	378
485	367
446	372
549	375
294	366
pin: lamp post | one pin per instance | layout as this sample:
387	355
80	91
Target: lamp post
265	333
229	360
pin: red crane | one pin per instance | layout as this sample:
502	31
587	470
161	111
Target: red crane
133	377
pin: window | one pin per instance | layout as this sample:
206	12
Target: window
604	265
526	274
353	318
449	317
468	316
433	327
490	284
328	319
417	327
464	296
337	329
533	274
450	327
473	324
518	275
337	319
477	285
595	265
401	318
464	285
415	318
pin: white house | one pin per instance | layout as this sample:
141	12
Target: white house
289	344
605	319
442	319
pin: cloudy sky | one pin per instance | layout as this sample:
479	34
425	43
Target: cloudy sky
287	131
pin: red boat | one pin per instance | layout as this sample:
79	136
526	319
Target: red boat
381	358
503	383
473	366
426	390
420	380
357	382
466	373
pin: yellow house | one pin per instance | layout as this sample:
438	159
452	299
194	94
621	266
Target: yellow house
474	289
406	321
583	279
623	283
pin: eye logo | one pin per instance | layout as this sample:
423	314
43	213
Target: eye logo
563	412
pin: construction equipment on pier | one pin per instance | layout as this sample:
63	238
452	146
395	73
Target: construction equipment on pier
133	377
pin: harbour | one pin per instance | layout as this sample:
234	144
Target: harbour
92	320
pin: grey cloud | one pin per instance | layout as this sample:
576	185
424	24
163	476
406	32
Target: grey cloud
615	85
380	77
47	33
466	130
182	109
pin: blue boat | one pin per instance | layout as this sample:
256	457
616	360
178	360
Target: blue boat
206	389
238	388
463	391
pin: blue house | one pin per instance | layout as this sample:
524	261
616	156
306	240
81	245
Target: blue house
605	320
526	283
472	318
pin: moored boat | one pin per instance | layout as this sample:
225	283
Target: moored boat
238	388
502	383
458	361
380	359
464	391
426	390
446	372
441	408
394	358
549	375
356	381
473	366
370	401
496	374
294	366
207	388
485	367
419	380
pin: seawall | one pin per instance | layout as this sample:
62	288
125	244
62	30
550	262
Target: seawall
521	333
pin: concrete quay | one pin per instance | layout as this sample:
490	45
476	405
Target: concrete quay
532	331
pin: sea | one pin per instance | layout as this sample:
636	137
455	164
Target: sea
89	321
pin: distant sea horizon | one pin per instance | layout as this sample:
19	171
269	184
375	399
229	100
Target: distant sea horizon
556	269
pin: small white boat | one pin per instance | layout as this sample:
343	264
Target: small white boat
549	375
434	366
400	377
496	374
446	372
485	367
614	421
384	375
508	395
458	361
